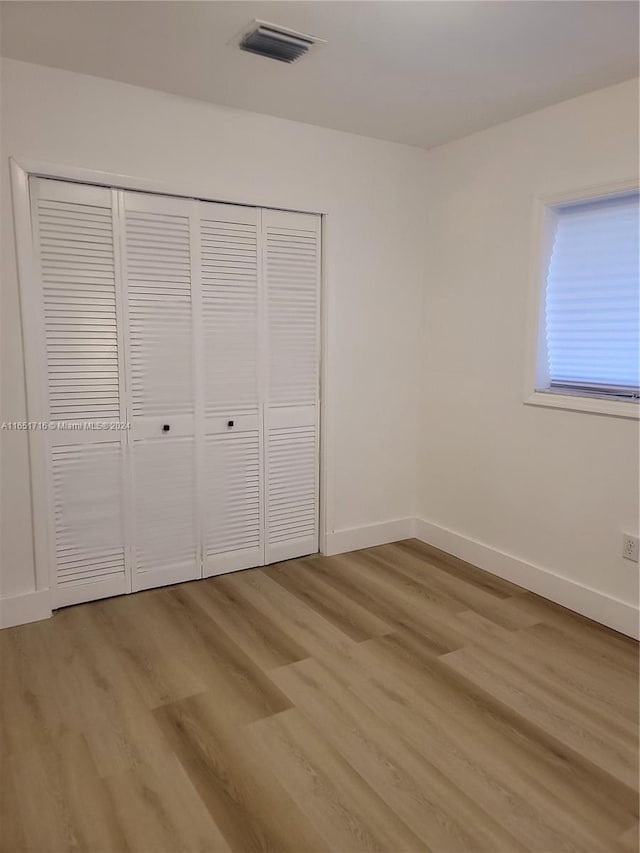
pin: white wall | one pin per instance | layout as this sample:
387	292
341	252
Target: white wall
373	194
553	488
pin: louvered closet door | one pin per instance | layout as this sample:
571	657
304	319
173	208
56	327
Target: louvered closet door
76	269
157	253
291	270
232	511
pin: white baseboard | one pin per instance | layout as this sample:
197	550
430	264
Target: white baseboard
619	615
341	541
28	607
616	614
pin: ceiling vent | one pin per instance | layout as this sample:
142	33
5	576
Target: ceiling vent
277	42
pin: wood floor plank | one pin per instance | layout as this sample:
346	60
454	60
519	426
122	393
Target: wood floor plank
462	593
600	661
31	712
300	579
257	634
498	775
415	606
112	714
572	673
12	837
240	686
300	621
422	577
570	722
149	657
629	841
394	699
459	568
65	804
246	801
422	585
481	629
159	810
345	811
471	711
435	810
599	640
348	576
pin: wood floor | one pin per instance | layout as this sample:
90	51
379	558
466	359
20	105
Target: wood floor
394	699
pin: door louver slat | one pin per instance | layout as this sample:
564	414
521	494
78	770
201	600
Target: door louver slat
79	317
229	282
89	539
233	492
292	463
160	313
292	295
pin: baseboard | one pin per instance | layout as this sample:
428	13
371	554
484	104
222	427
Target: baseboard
342	541
28	607
616	614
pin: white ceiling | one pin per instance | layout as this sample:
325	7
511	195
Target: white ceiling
422	73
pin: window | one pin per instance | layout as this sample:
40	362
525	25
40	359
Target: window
589	335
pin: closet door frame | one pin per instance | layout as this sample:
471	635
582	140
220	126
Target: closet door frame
41	603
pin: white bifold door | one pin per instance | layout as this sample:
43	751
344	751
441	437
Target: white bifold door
291	275
233	530
160	368
181	386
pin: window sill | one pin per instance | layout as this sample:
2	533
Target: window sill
597	405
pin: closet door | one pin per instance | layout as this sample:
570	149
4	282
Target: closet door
291	272
81	319
232	490
158	237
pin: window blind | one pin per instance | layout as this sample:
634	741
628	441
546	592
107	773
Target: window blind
592	304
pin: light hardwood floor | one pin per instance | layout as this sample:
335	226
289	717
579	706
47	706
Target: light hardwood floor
393	699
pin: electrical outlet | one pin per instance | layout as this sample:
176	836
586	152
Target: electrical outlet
630	547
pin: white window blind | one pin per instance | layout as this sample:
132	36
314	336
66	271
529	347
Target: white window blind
592	306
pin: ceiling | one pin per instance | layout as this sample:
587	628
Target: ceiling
421	73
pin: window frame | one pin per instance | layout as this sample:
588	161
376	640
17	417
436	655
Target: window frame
537	390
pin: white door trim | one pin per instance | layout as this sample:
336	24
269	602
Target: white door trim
33	347
113	180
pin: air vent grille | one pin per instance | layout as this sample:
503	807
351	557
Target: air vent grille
275	43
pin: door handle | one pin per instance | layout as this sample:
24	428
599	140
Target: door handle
165	428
